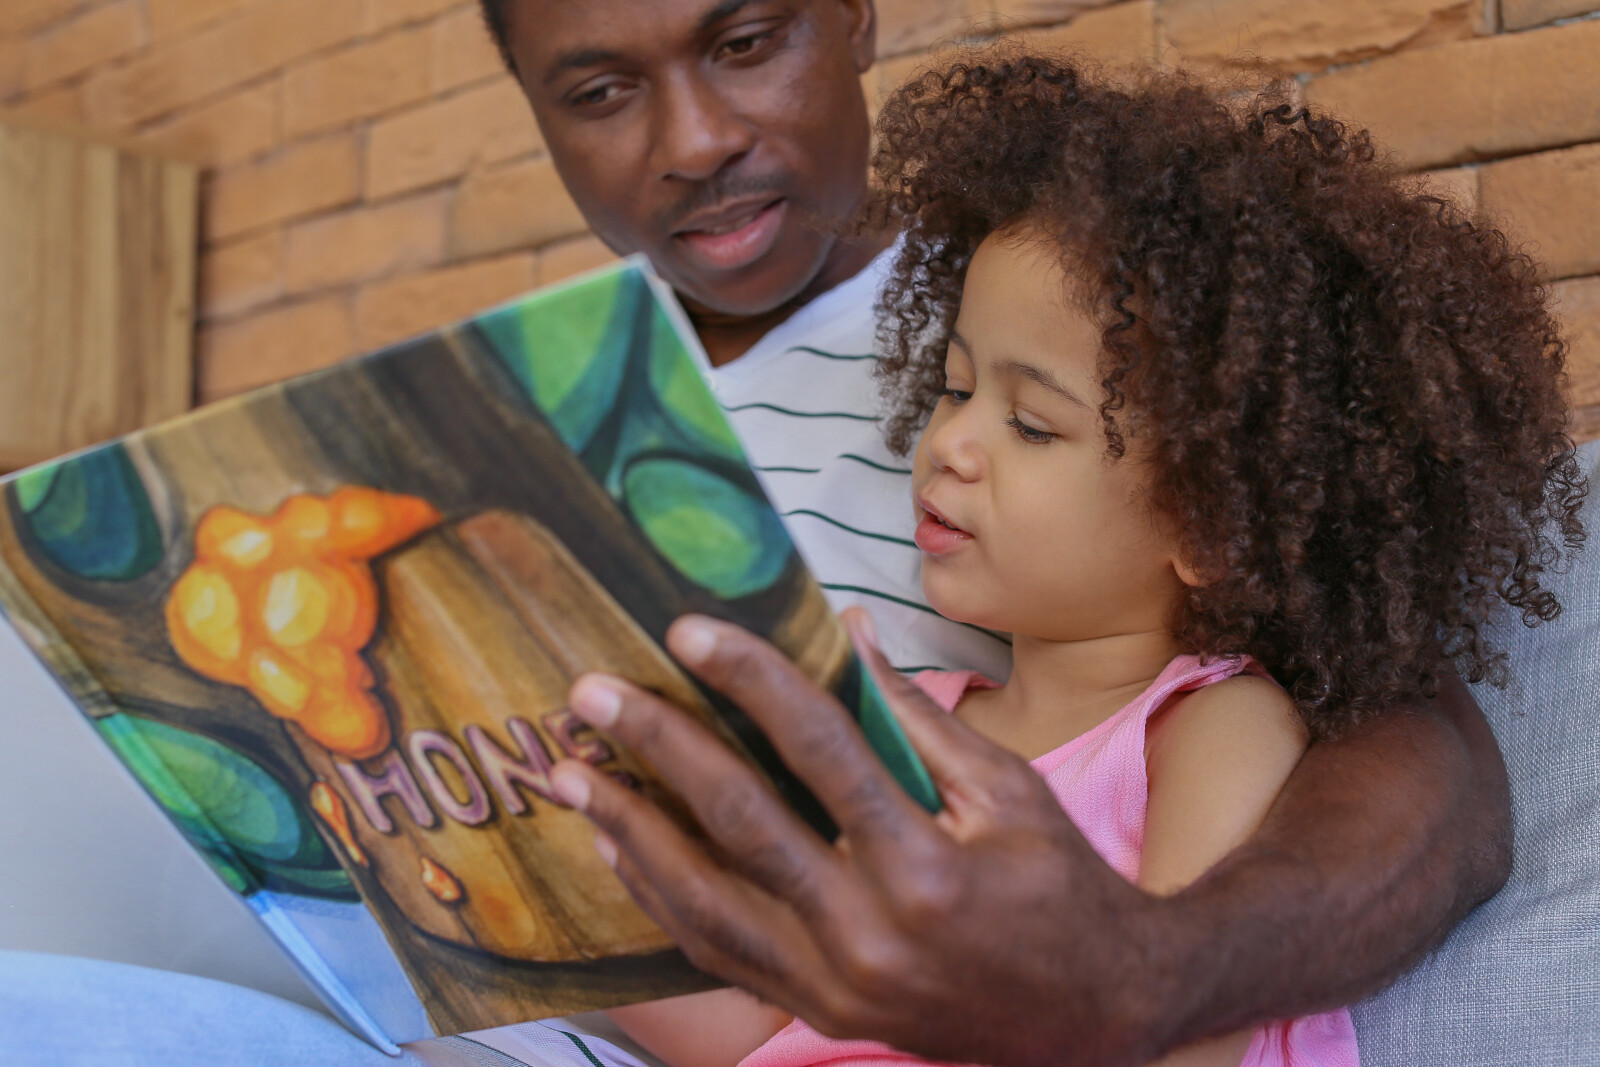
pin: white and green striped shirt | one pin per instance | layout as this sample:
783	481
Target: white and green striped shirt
807	408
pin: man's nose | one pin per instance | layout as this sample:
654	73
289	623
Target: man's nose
698	133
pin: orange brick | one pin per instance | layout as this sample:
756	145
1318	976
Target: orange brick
237	127
893	73
567	258
463	51
100	35
363	243
1552	200
62	104
1459	184
907	25
394	310
448	138
23	16
521	205
357	82
1521	14
1001	15
241	276
1585	424
384	14
10	68
299	180
1122	34
1301	34
1577	301
168	18
1493	96
273	345
263	37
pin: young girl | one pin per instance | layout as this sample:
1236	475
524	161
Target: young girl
1242	436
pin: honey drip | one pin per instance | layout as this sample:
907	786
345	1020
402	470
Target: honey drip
326	803
440	882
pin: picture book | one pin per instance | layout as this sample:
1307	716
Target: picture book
330	627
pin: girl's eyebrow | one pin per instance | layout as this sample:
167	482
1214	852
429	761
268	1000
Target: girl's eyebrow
1039	375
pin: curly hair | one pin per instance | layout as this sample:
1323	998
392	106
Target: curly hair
1349	396
496	21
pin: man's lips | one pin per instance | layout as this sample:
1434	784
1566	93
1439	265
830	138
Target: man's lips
734	237
936	535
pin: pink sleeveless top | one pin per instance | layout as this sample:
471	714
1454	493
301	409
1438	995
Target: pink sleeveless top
1099	778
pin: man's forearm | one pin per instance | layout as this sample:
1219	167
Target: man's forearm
1378	845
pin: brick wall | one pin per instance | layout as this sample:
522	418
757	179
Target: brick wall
371	171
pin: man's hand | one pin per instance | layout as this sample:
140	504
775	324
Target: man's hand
991	932
950	936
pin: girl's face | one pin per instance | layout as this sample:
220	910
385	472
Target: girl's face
1025	523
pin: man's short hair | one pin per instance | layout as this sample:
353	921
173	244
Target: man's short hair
494	17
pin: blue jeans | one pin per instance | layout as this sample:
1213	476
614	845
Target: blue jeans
62	1011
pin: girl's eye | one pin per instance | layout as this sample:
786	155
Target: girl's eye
956	396
1029	433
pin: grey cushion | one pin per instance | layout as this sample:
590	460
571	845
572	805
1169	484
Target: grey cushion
1519	981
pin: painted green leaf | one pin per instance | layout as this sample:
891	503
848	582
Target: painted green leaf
677	385
91	516
33	486
570	352
889	741
241	818
716	534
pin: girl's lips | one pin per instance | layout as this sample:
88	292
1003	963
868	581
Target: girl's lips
937	539
739	247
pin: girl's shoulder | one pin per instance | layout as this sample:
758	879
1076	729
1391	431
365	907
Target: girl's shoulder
1215	759
1244	714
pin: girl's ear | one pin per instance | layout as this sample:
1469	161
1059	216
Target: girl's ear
1186	573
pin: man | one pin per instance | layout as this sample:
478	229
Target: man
727	140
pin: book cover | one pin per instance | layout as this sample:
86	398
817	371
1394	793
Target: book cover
330	627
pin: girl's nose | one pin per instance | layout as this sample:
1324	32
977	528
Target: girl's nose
952	440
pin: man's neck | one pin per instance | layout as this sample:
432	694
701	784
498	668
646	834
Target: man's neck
727	337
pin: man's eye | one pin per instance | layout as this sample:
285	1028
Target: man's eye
600	94
743	46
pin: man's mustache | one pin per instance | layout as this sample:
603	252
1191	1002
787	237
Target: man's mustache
718	191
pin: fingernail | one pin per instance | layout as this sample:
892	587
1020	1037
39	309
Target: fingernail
571	787
861	624
607	849
694	641
596	702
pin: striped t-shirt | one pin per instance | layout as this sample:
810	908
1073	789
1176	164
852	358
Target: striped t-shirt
807	408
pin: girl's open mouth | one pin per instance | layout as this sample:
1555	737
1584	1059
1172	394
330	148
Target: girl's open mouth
936	535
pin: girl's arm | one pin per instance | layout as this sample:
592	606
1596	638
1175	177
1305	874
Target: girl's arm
1216	760
715	1029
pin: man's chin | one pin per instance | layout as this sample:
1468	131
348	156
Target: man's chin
777	279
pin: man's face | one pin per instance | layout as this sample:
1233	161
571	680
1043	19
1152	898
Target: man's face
720	137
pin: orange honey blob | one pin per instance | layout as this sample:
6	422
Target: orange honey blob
283	606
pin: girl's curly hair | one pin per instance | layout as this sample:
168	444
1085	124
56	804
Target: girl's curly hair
1349	396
